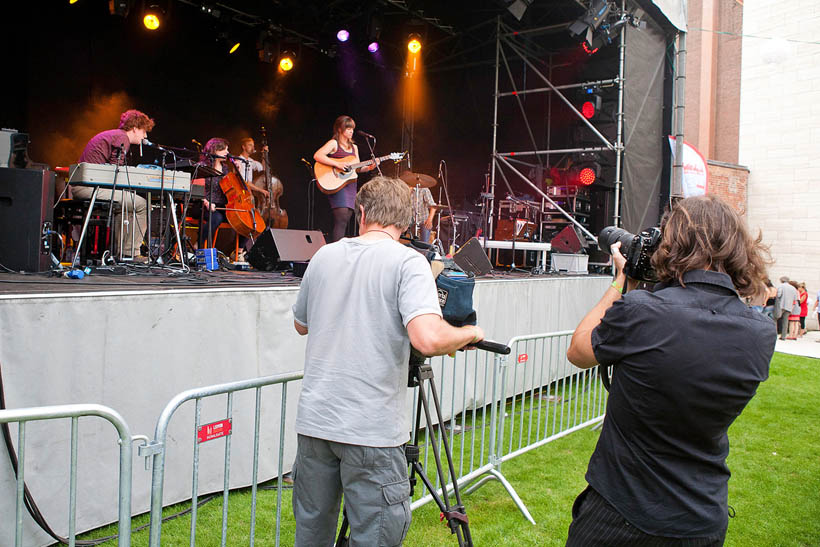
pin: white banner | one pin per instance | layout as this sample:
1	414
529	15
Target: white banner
695	172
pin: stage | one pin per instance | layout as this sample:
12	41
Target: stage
133	342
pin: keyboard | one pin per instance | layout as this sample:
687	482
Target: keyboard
133	178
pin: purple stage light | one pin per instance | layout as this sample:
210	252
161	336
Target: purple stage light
373	47
342	35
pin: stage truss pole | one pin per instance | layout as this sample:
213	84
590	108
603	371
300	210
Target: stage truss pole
619	139
494	166
680	87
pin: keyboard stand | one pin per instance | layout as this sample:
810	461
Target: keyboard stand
85	228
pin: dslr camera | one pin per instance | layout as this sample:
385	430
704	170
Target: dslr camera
638	250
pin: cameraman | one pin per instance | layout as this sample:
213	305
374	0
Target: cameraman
689	357
363	301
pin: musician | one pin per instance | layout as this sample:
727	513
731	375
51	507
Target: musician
337	152
215	154
111	147
423	208
248	170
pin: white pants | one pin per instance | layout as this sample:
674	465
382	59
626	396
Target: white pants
132	204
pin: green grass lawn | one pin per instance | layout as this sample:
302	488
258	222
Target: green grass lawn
775	485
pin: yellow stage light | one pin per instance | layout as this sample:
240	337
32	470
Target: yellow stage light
286	63
233	48
414	45
151	21
73	1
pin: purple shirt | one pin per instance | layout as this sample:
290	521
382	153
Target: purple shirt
104	147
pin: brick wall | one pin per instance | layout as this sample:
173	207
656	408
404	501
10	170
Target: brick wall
729	182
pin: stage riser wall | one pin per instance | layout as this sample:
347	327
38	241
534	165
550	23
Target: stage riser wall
135	351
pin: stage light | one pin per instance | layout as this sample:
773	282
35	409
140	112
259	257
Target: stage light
234	48
152	17
343	35
588	110
73	1
373	47
151	21
414	43
586	176
286	61
518	7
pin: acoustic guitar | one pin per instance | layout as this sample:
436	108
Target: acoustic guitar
330	180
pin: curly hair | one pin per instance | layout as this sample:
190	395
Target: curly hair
131	119
705	233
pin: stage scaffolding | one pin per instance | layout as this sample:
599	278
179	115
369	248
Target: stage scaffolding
507	43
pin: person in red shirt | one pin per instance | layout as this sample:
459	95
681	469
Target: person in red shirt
803	298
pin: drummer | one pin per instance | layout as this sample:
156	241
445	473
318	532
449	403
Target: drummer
424	211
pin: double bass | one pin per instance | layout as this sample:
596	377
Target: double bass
274	215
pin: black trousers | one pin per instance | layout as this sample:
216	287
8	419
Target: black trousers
596	523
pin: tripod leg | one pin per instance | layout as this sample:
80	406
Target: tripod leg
455	515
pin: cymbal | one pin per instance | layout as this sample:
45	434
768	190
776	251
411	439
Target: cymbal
439	206
418	179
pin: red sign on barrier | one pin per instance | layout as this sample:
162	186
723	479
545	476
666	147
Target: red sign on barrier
214	430
523	358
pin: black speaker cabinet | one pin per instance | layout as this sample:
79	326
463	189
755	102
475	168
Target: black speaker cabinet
569	240
274	247
26	200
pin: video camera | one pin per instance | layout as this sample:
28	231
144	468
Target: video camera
637	249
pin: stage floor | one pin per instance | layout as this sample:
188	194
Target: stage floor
142	278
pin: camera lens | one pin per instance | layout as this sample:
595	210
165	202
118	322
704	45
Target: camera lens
612	234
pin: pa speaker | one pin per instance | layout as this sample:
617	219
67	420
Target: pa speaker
569	240
274	247
26	215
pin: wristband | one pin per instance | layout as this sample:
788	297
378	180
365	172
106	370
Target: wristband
617	287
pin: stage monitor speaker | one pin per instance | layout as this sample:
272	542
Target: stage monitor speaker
275	247
26	215
569	240
471	258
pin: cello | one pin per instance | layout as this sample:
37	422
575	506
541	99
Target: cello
274	215
240	211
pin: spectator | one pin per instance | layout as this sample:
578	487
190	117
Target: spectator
803	298
783	304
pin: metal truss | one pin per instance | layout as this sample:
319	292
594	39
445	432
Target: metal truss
507	44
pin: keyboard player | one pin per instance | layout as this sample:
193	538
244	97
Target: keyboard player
111	147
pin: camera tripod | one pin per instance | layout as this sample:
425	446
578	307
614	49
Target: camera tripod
457	521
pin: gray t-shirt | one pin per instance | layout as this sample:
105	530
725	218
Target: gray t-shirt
356	299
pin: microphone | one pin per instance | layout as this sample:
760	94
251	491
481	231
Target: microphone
306	162
197	143
146	142
363	134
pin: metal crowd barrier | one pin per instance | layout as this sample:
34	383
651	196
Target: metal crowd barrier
75	412
156	449
535	399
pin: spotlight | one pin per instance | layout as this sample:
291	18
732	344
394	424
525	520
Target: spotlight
286	61
343	35
518	7
414	43
373	47
152	17
234	48
586	176
72	1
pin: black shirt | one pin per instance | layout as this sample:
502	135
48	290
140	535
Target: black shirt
689	359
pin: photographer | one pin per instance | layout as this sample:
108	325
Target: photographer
689	357
363	301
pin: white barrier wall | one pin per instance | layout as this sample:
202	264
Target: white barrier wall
134	351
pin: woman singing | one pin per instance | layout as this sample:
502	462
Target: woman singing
341	147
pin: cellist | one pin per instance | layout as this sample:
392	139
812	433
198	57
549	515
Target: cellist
214	154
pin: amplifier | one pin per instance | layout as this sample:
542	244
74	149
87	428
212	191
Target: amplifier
26	217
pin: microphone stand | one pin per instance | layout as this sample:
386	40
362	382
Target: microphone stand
310	193
442	173
373	154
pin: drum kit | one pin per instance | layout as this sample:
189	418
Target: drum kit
418	182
